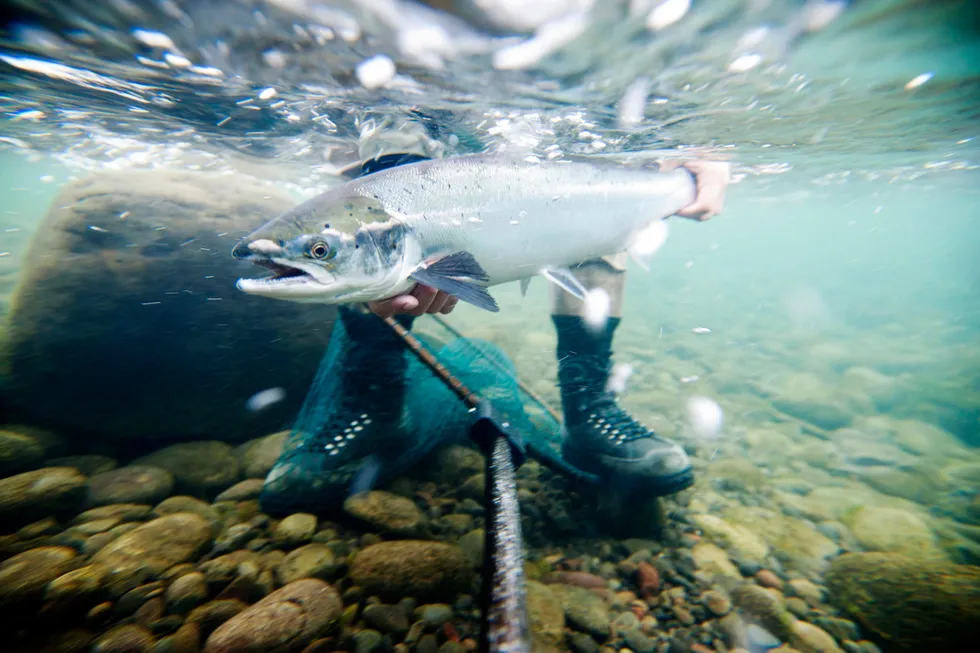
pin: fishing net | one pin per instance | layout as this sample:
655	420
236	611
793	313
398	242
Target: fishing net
374	410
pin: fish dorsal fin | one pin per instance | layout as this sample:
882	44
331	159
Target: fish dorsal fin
383	162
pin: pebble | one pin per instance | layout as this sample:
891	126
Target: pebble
386	512
765	607
77	585
797	606
186	593
125	512
748	568
18	451
684	616
808	591
258	456
368	641
412	568
309	561
584	610
187	639
40	493
582	643
386	618
23	577
125	639
131	484
841	629
210	616
808	638
150	549
428	644
647	579
767	578
297	613
250	488
88	464
200	469
296	529
434	614
717	603
639	642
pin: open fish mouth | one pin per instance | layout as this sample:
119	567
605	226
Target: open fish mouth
286	276
280	271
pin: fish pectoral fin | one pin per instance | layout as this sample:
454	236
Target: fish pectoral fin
647	241
564	279
459	275
525	283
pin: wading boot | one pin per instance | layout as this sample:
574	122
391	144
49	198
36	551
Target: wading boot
601	437
352	429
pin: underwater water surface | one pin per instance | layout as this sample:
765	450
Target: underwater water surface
829	319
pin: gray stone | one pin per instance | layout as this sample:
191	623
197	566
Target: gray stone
194	348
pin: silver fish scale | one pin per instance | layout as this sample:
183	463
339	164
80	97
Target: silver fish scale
517	217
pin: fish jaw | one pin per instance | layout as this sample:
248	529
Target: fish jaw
360	267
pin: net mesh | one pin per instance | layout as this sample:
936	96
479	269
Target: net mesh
374	410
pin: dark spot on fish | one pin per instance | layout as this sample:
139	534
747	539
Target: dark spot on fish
326	226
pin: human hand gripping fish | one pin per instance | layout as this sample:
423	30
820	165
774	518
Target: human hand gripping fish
418	237
711	179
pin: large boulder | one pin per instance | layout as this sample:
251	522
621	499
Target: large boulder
126	321
909	604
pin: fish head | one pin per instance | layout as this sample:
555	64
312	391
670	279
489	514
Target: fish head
330	251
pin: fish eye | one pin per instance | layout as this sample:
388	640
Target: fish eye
319	250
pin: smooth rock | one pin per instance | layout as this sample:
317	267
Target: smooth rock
808	638
250	488
893	530
412	568
296	529
472	545
454	464
435	615
742	541
259	455
79	584
766	609
713	561
386	618
386	512
546	618
186	593
310	561
187	639
213	614
130	484
41	493
200	469
182	503
24	576
152	548
181	363
122	511
125	639
911	604
88	464
18	452
283	621
584	610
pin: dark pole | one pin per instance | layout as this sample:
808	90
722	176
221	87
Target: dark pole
504	627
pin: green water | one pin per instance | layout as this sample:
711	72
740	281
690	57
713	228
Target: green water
832	312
